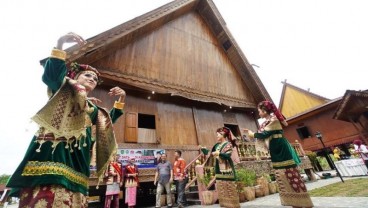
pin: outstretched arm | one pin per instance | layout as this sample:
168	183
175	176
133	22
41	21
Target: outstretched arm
70	38
117	110
55	68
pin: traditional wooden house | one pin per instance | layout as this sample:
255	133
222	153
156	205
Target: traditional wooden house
184	74
336	133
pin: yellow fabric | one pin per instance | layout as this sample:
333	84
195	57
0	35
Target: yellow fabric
59	54
336	154
273	125
119	105
106	146
64	115
283	163
277	136
54	168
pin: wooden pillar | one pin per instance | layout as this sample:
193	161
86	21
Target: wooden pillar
329	160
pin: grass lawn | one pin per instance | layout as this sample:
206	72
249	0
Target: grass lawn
353	188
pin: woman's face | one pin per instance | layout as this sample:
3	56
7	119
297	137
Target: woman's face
220	137
262	113
88	79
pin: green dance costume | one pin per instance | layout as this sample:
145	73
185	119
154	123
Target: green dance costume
59	154
284	160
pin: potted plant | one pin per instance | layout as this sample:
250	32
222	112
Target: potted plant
266	183
241	176
248	178
207	195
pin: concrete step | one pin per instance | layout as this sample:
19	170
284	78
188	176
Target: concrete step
192	195
193	188
192	202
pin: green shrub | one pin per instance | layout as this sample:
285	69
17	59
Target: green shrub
245	176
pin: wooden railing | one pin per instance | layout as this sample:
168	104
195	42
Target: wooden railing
190	169
298	148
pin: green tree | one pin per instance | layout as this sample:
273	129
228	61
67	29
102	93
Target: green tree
4	178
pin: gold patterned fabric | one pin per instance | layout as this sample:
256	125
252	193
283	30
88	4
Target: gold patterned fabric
105	143
227	194
36	168
293	191
65	114
52	196
66	117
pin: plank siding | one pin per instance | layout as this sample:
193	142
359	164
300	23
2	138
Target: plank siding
334	132
183	53
176	125
207	122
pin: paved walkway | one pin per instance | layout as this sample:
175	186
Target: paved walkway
273	201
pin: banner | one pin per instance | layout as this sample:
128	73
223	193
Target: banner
144	158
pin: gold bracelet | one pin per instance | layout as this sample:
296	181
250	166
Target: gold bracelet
119	105
59	54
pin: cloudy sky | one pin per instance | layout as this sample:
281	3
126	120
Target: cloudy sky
317	44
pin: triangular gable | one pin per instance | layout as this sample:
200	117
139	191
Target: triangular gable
182	58
108	43
295	100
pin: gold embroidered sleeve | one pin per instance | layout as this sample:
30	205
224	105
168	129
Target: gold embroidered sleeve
119	105
59	54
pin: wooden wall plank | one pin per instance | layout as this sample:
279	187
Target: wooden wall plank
176	125
182	53
208	122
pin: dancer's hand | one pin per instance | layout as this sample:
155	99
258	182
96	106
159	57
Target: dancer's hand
70	38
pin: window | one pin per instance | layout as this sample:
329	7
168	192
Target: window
303	132
140	128
146	121
146	128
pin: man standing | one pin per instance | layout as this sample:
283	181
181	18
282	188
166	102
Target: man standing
163	179
180	178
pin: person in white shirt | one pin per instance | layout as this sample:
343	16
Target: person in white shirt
361	150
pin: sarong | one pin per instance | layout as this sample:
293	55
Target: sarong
293	191
227	193
131	196
51	196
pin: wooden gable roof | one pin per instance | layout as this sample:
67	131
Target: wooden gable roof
332	104
353	104
132	52
295	100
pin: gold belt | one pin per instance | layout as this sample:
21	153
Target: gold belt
277	136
